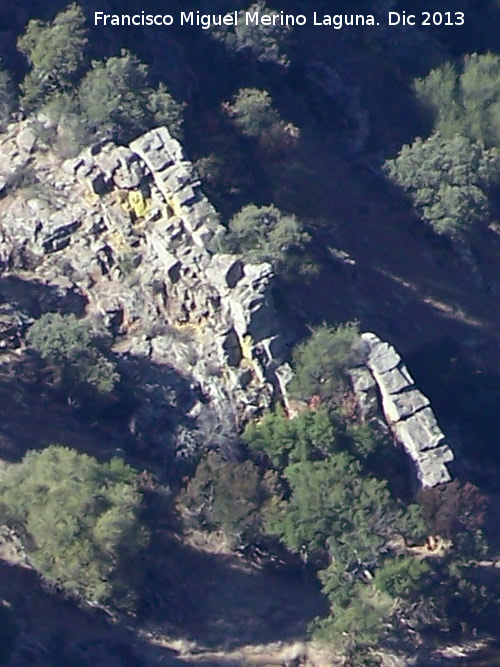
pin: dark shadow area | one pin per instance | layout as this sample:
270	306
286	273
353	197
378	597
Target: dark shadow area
55	631
466	397
212	599
36	298
219	601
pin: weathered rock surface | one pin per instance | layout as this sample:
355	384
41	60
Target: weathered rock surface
384	385
130	229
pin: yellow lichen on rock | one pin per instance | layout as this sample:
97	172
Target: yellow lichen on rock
246	347
176	208
117	241
136	204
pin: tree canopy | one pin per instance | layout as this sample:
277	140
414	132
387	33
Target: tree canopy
266	43
321	362
253	111
448	180
79	519
71	347
265	234
465	99
56	53
111	99
115	100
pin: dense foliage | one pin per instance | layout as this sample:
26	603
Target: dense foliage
79	519
111	99
448	181
344	521
70	346
56	54
267	43
265	234
465	100
321	362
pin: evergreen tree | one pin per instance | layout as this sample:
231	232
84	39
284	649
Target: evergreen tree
448	181
321	362
465	101
79	519
310	435
56	54
115	100
267	43
265	234
253	112
334	507
70	346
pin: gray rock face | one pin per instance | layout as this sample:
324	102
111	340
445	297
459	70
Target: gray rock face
383	384
131	230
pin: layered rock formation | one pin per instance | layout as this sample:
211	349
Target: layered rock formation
129	232
384	386
130	229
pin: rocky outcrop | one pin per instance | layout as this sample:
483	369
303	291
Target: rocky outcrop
130	229
384	386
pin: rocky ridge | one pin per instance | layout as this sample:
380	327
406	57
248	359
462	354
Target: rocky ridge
384	386
130	230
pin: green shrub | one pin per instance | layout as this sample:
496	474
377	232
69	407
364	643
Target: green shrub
56	54
401	577
448	181
265	234
111	100
465	100
309	435
253	112
69	344
321	362
116	101
79	519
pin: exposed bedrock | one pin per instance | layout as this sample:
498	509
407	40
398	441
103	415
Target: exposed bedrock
384	386
130	229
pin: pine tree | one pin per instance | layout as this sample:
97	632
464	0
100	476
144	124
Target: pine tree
70	346
116	101
56	54
309	435
79	519
465	100
448	181
321	362
265	234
